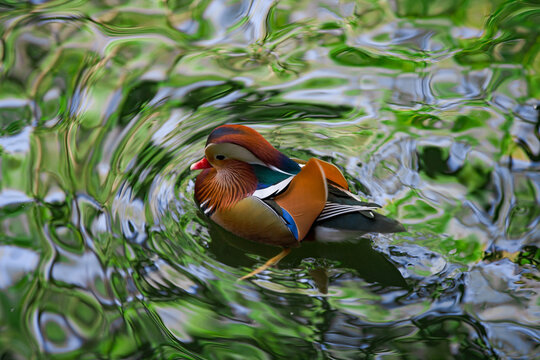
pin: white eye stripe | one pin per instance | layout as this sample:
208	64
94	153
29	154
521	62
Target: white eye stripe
237	152
232	151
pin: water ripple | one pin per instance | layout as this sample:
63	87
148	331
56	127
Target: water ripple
430	109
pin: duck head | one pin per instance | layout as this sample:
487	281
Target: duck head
237	161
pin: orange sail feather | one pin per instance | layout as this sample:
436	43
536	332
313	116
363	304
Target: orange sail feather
305	197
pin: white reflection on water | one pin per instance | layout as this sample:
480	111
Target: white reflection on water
15	263
64	339
18	143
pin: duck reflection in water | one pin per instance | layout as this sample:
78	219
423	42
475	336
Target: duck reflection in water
255	192
352	253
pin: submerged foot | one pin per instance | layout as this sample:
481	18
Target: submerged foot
271	262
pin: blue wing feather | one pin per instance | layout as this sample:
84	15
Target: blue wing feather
290	223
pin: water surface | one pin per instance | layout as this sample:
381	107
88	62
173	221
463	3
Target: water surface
428	107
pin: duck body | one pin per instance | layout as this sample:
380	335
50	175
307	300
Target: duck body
254	191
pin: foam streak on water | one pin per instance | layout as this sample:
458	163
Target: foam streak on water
427	106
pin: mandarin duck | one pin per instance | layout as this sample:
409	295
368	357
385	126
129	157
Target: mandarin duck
254	191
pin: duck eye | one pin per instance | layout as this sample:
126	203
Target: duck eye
220	157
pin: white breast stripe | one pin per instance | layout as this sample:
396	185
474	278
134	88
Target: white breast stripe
206	211
273	189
